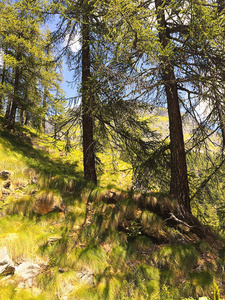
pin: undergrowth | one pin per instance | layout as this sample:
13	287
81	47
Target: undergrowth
102	244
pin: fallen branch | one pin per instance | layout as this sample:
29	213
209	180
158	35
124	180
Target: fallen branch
172	216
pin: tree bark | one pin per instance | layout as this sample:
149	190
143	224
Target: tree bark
179	187
12	115
27	118
8	108
221	120
2	81
44	109
87	105
22	114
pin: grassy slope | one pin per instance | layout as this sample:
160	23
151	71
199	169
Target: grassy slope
132	253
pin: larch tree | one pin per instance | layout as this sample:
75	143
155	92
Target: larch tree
171	44
24	55
179	187
83	18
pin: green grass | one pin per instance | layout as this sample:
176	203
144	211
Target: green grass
114	241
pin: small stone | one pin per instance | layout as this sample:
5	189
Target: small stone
6	265
6	192
87	276
27	271
53	239
6	184
5	174
61	270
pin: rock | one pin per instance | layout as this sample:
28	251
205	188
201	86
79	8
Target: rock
48	201
5	174
5	192
8	280
87	276
53	239
6	184
6	265
27	271
61	270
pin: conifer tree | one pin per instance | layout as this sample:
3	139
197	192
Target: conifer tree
26	58
166	50
82	16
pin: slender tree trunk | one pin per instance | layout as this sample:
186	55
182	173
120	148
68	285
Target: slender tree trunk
8	108
179	187
12	115
27	117
45	98
221	119
22	114
44	108
221	5
2	81
9	102
87	105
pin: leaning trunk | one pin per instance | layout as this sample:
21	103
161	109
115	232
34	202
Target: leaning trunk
179	187
87	105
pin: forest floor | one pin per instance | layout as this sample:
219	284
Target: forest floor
65	238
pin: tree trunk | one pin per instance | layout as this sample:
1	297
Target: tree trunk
44	108
27	118
221	119
22	114
12	115
8	108
87	105
2	81
221	5
179	187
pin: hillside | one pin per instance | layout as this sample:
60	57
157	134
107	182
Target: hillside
64	238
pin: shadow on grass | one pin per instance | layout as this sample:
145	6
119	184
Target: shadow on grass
38	159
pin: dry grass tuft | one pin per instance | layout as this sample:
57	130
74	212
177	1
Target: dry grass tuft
155	202
47	201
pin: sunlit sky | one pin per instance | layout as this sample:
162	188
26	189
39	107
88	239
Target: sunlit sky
69	89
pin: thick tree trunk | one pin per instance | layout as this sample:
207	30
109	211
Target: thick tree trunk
179	187
87	105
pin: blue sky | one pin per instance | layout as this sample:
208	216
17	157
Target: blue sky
70	90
